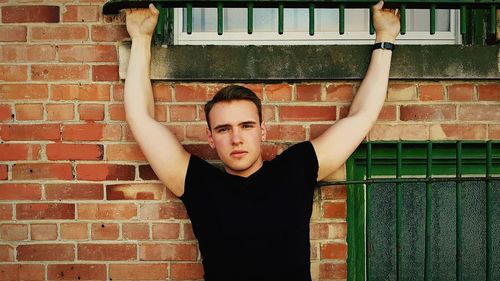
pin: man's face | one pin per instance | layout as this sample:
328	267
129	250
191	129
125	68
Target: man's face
236	135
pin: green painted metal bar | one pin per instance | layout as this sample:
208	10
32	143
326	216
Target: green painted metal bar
463	19
493	19
189	18
402	13
368	207
428	215
250	18
342	18
399	203
162	18
220	18
311	19
409	180
281	15
372	28
489	212
432	12
458	199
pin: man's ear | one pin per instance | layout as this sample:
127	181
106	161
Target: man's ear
263	130
210	138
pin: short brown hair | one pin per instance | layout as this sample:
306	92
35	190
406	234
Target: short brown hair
230	93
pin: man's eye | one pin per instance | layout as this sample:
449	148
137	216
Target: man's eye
248	126
222	130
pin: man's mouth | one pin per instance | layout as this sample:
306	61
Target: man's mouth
238	153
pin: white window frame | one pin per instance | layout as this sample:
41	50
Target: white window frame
451	37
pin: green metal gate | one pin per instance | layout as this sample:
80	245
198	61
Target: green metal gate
424	211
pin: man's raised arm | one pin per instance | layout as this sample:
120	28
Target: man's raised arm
165	154
337	143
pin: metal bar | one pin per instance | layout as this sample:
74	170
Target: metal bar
311	19
399	199
368	208
372	28
162	18
428	215
493	19
220	18
458	201
402	12
408	180
189	18
489	212
250	18
281	13
432	11
463	19
342	18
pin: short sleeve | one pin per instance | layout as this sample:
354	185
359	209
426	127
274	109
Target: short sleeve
300	159
198	172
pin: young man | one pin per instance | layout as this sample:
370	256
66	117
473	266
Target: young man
252	219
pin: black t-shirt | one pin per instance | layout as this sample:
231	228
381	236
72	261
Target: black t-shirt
254	228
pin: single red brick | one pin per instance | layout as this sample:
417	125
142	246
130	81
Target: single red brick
310	92
42	211
138	271
29	92
286	133
188	232
18	271
493	132
334	192
340	92
6	255
74	13
135	231
489	92
105	73
68	151
74	231
30	132
334	210
31	171
192	92
196	132
99	172
64	111
14	151
91	112
4	172
399	132
165	231
14	232
307	113
122	211
458	131
91	132
319	231
461	92
27	53
74	191
317	130
87	53
168	252
160	113
117	112
161	92
46	252
278	92
332	271
85	92
107	252
6	113
136	191
202	150
13	73
20	14
257	89
157	90
76	272
20	191
427	112
30	111
147	173
337	251
59	72
5	212
124	152
431	92
60	33
479	112
186	271
43	231
13	33
109	33
105	231
182	113
402	92
171	210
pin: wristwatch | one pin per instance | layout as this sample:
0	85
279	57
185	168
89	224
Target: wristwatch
384	45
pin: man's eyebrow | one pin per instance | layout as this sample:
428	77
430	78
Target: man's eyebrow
221	126
248	123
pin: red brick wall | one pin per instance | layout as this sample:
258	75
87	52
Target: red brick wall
77	198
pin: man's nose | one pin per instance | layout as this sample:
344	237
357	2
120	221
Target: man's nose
237	136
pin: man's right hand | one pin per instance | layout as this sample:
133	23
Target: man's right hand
141	23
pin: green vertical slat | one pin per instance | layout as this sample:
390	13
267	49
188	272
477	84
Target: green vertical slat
342	18
372	28
433	18
402	12
281	13
220	18
428	215
189	16
399	199
250	18
463	19
160	25
489	214
368	208
493	19
311	19
459	212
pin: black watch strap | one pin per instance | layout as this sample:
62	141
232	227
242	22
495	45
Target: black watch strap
384	45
